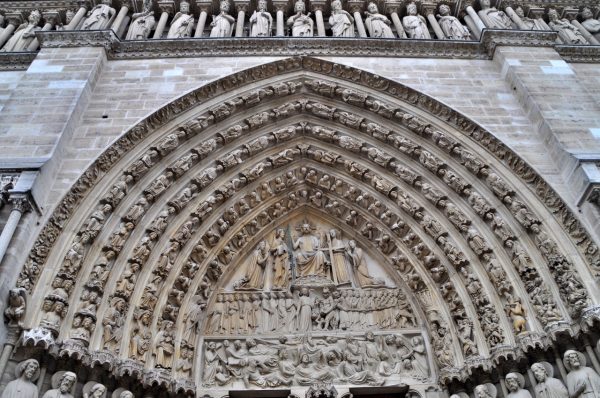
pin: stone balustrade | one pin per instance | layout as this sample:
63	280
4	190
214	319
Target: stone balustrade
167	19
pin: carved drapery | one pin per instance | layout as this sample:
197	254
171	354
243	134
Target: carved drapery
485	250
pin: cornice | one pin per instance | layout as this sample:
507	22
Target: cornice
16	61
248	46
579	54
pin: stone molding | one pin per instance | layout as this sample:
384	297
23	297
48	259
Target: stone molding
16	61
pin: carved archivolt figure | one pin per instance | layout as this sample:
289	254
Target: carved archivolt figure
222	24
342	23
99	17
261	21
142	23
591	24
492	18
310	260
415	24
24	34
547	386
566	30
281	263
62	385
301	24
582	381
255	271
183	23
23	386
377	24
451	26
515	383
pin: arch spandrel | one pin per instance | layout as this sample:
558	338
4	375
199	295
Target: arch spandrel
467	215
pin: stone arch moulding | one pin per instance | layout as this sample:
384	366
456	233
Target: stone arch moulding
481	259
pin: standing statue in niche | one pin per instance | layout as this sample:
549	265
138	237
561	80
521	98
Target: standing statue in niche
310	260
378	24
567	32
547	386
99	17
62	385
339	268
182	24
590	24
342	23
255	271
24	34
23	386
222	24
492	18
142	23
302	25
582	381
451	26
359	265
281	261
261	21
414	24
530	23
515	383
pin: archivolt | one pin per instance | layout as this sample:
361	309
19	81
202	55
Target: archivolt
431	171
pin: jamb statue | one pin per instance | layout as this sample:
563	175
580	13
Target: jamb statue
342	23
222	24
142	23
182	24
378	24
100	16
23	386
515	383
567	32
414	24
451	26
261	21
492	18
582	381
301	24
591	24
62	385
24	34
547	386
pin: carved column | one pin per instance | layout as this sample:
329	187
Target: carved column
241	7
356	9
392	9
280	19
11	340
52	18
166	7
14	20
79	15
20	205
116	25
515	18
476	20
317	7
203	6
429	11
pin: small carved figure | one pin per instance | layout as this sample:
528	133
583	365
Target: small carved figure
310	260
15	310
255	271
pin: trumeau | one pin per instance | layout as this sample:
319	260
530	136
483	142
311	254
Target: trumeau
304	228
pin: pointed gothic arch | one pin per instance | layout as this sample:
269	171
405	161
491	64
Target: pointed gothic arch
473	230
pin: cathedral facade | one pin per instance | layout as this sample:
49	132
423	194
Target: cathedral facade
317	199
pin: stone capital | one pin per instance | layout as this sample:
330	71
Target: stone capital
569	13
84	4
356	6
167	6
428	8
52	17
203	5
535	12
14	18
20	203
317	5
392	6
280	5
242	5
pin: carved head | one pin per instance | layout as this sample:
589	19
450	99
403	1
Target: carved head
352	244
304	291
484	4
539	372
67	381
34	17
552	14
126	394
107	2
444	10
69	16
304	359
519	11
573	360
586	13
485	391
224	6
372	8
336	5
411	9
28	369
370	336
262	5
237	344
299	6
514	381
97	391
306	228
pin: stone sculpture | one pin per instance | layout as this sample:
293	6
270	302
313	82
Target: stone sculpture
23	386
487	390
255	271
301	24
94	390
451	26
377	24
24	34
359	266
15	310
342	23
492	17
99	17
515	383
415	24
530	23
567	32
182	23
62	385
261	21
591	24
548	386
222	24
281	264
310	260
582	381
142	23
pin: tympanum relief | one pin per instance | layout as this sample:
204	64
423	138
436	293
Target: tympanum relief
301	309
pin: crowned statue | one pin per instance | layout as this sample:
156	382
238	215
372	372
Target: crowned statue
24	34
414	24
222	24
261	21
142	23
182	23
310	259
378	24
